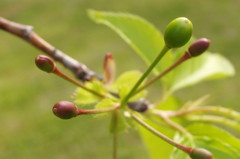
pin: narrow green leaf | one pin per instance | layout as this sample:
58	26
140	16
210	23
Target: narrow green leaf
205	67
147	41
219	145
213	131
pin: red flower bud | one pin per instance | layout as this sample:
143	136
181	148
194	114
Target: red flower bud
200	153
139	106
65	110
45	63
198	47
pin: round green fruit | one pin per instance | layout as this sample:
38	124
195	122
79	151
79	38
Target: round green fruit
178	32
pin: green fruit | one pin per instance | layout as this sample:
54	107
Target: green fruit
178	32
65	110
200	153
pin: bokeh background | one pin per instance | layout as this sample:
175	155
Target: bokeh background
28	127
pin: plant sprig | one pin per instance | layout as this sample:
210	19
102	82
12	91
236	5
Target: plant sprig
117	102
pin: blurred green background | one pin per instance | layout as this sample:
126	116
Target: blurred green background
28	128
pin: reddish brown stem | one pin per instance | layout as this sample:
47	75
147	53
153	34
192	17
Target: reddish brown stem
186	149
26	32
97	111
181	60
75	82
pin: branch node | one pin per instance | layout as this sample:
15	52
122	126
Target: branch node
27	31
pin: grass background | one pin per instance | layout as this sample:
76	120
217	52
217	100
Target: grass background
28	128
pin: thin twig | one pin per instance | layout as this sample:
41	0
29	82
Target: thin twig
215	119
206	109
26	32
170	68
164	50
171	123
77	83
159	134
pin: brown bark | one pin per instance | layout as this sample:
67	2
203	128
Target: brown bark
81	71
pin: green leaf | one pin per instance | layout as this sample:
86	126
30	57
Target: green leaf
125	83
169	103
205	67
105	103
83	97
142	36
221	143
147	41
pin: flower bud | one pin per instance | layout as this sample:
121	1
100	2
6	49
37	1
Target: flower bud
198	47
109	69
178	32
139	106
45	63
65	110
200	153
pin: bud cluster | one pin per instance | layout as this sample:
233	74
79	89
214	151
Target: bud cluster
178	32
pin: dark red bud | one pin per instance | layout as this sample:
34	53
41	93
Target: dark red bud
200	153
139	106
45	63
198	47
65	110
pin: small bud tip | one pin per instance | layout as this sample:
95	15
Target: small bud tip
139	106
109	55
109	68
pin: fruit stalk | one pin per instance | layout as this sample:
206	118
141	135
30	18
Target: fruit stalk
97	111
162	136
177	63
146	73
195	49
48	65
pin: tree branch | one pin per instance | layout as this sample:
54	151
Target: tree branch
26	32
